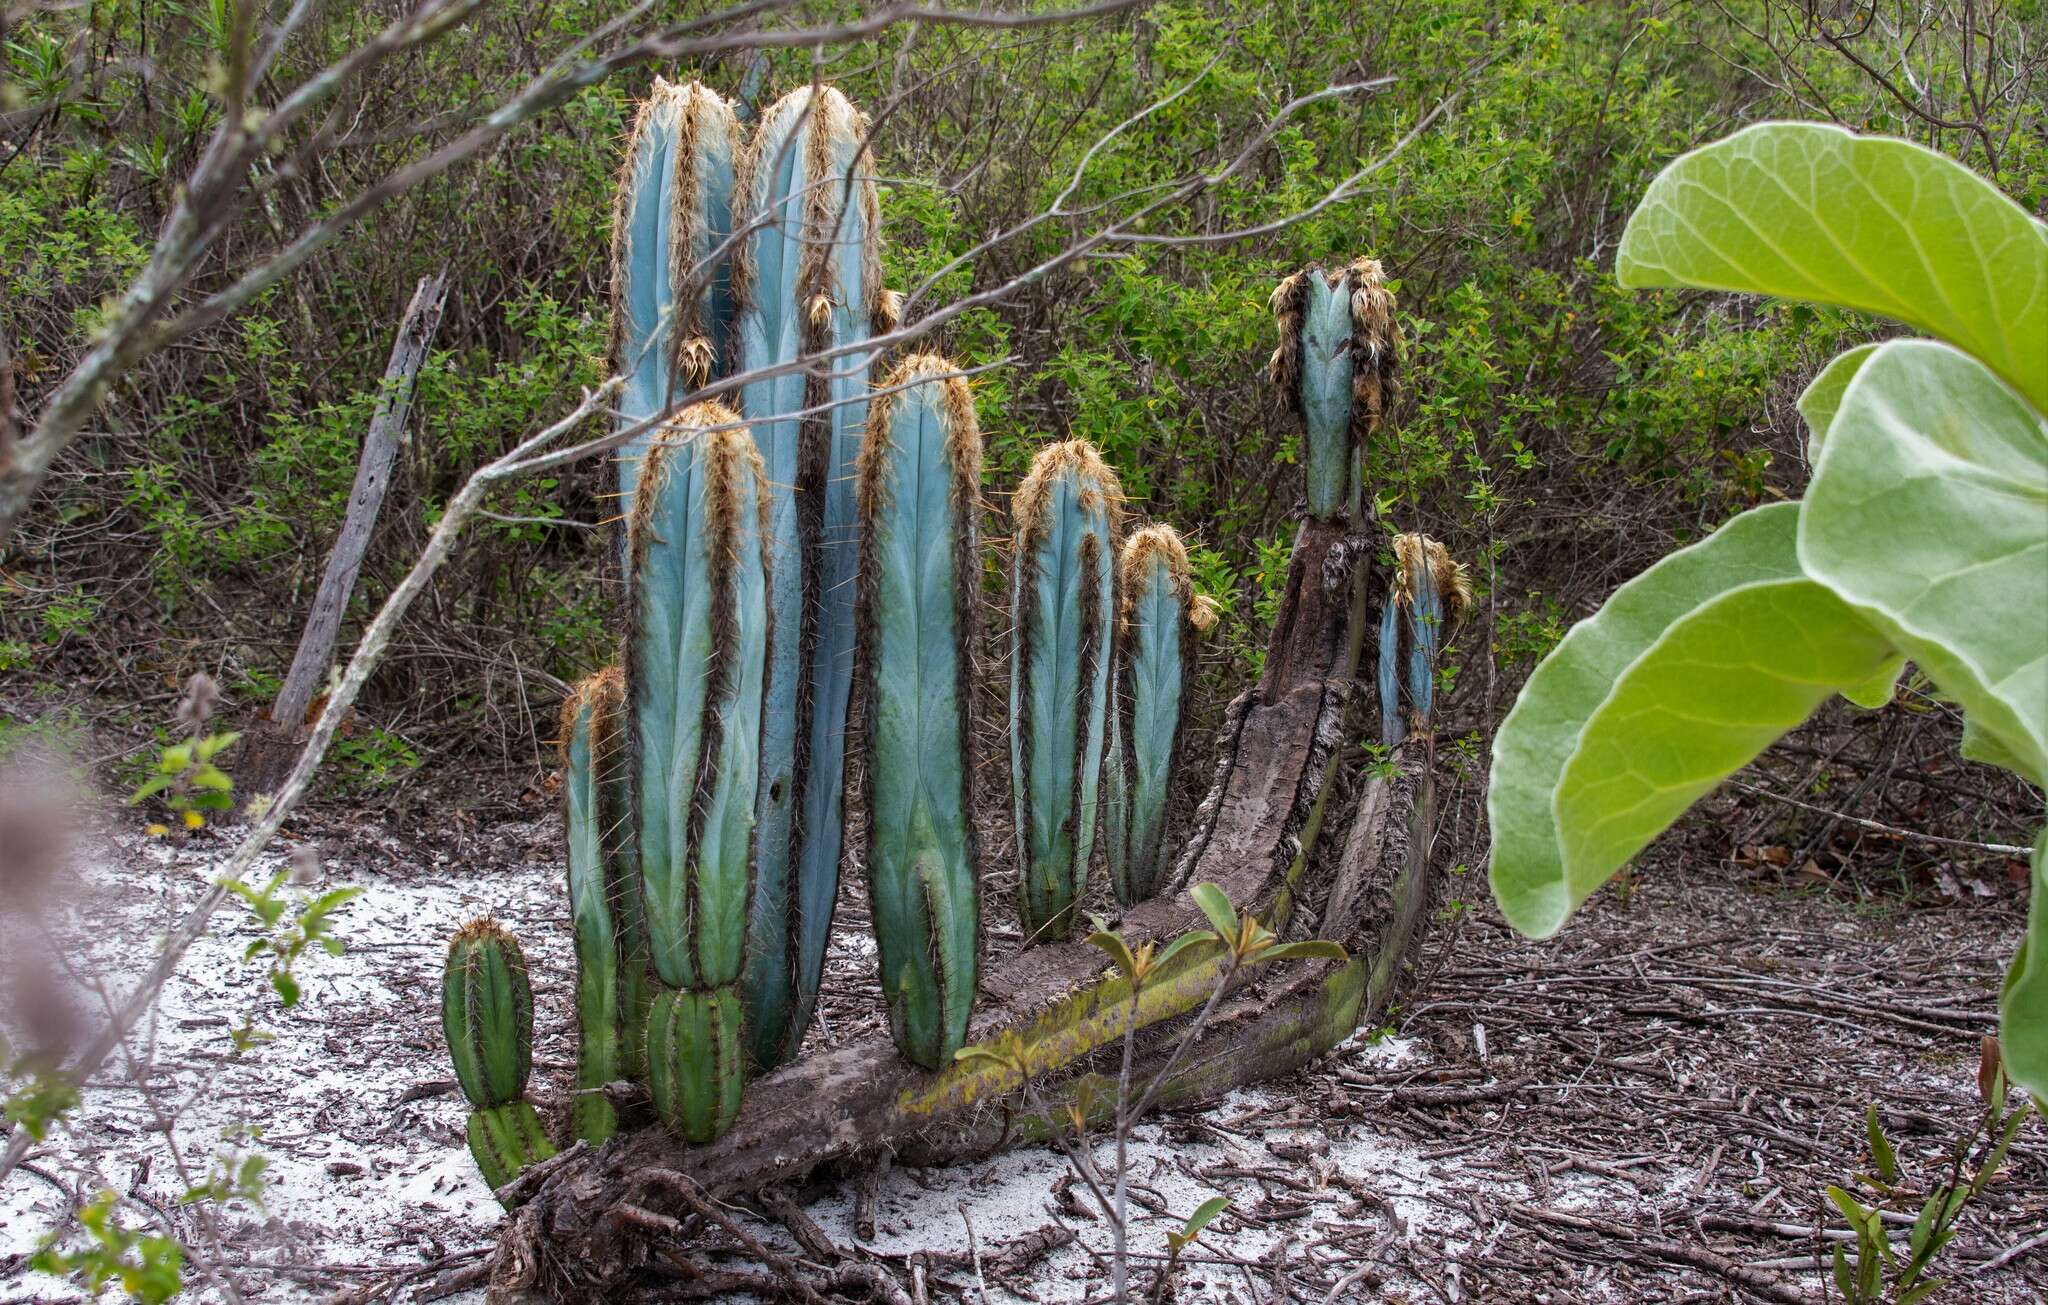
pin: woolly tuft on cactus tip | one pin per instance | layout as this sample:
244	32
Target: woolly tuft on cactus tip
1162	620
1426	598
1336	366
1068	516
920	581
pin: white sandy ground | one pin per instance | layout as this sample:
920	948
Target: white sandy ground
365	1182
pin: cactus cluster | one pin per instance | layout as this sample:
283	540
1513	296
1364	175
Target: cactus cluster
803	575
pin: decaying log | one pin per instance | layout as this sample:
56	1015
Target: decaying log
1277	787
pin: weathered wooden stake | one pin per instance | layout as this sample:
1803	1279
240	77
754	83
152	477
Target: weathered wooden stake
275	741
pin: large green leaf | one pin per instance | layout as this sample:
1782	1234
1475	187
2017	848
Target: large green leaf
2023	1006
1685	674
1928	512
1812	212
1818	402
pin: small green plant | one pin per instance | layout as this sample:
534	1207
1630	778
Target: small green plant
184	778
1884	1274
1922	534
290	925
148	1267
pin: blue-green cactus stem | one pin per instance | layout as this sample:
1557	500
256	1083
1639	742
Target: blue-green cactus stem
696	661
809	281
672	304
1427	596
612	966
1162	622
918	479
1063	602
1336	368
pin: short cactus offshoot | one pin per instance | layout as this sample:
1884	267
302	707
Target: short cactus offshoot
920	574
487	1019
1335	366
1162	621
1063	601
696	659
1427	597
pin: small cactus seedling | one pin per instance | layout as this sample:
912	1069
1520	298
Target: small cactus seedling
1067	515
808	280
1335	366
487	1019
696	656
1162	621
612	975
1425	600
671	291
920	573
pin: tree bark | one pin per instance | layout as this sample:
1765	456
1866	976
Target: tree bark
275	743
578	1231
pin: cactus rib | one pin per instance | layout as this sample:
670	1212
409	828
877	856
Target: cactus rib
918	478
809	279
505	1139
1067	512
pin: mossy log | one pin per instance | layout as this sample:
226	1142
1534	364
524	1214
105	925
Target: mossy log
588	1224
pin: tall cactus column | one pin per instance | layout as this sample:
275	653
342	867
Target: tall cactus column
808	280
610	921
671	298
697	650
1162	620
919	477
1336	367
1067	514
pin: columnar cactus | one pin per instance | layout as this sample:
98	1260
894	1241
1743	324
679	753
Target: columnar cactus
1425	600
1335	365
487	1019
671	292
696	657
1162	619
809	280
612	974
920	572
1067	514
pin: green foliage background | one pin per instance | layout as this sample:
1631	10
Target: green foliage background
1557	431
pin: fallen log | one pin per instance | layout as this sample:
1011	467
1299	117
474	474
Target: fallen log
588	1224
